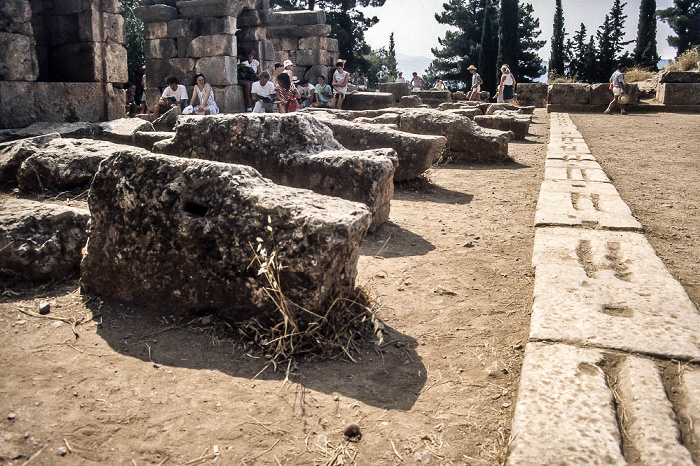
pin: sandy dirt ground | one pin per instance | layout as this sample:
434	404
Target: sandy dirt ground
452	274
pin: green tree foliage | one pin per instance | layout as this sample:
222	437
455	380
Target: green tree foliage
464	46
557	57
508	35
684	19
372	62
135	40
488	52
579	46
348	24
645	51
391	59
610	42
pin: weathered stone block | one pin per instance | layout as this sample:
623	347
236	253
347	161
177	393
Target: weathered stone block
466	141
77	62
532	94
114	30
249	18
66	130
299	31
14	11
64	164
40	242
666	76
180	237
110	6
89	26
177	28
310	43
368	100
416	153
315	71
285	44
62	29
116	101
159	70
199	8
153	96
294	150
333	45
18	60
211	46
147	139
182	44
251	34
115	63
410	101
156	13
17	95
157	30
678	93
122	131
160	48
398	90
210	26
467	112
13	153
295	18
518	126
218	71
433	98
69	102
229	99
569	94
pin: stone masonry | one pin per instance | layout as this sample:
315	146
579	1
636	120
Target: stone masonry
204	36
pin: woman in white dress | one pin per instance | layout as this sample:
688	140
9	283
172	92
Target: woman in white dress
203	94
340	85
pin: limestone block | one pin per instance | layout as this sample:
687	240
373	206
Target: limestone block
160	48
315	71
333	45
667	76
609	289
257	47
77	62
565	412
252	34
294	150
69	102
18	95
650	422
122	131
519	126
311	43
397	89
569	94
572	164
66	130
286	44
569	151
202	8
14	11
466	140
493	108
576	174
147	139
115	63
18	60
179	237
40	242
159	70
299	31
182	44
68	7
249	18
678	93
153	96
177	28
467	112
89	26
114	29
532	94
268	51
167	121
295	18
460	105
367	100
690	396
116	101
571	203
230	99
410	101
156	13
64	164
211	26
218	71
416	153
110	6
13	153
211	46
64	29
158	30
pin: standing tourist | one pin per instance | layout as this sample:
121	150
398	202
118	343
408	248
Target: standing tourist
203	94
381	74
617	84
340	84
506	88
476	84
416	82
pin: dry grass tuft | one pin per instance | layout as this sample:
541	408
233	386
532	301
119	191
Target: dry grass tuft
637	74
556	79
688	61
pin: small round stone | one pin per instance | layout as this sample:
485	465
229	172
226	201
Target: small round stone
61	451
352	430
11	416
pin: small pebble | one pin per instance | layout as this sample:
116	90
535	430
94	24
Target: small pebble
61	451
44	308
352	430
11	416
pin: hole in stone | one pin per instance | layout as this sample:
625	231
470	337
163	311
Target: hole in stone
588	369
194	209
617	310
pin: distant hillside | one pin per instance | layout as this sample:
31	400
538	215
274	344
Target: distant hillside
410	63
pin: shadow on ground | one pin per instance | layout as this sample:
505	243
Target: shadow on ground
391	240
390	378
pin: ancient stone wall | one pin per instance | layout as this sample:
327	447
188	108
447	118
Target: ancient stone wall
204	36
59	60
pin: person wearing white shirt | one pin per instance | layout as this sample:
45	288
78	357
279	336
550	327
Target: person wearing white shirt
617	84
400	78
174	95
263	93
252	63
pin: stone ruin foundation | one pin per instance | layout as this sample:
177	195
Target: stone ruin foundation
60	60
204	36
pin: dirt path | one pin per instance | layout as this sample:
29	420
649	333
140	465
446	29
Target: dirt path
452	273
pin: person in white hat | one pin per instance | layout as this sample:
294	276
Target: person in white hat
476	84
617	84
288	65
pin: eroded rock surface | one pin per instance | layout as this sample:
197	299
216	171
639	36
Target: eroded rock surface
40	242
519	126
12	154
178	235
79	129
122	131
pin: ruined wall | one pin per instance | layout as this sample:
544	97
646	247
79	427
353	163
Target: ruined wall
204	36
59	60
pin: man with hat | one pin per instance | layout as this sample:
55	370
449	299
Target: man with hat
617	84
476	84
288	68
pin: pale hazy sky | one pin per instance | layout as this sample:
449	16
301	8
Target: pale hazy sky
416	31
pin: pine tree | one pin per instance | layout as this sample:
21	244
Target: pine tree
488	53
645	52
579	48
557	57
684	19
529	64
508	40
610	42
589	64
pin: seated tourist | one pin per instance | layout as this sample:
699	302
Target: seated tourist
306	93
174	96
263	93
130	100
390	77
323	93
288	65
361	82
203	97
439	85
287	94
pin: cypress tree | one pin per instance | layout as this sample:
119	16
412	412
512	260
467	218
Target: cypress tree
645	52
487	53
557	57
579	47
684	19
508	40
391	60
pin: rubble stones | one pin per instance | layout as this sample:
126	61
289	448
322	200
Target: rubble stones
40	242
410	101
12	154
368	101
146	139
519	126
66	130
179	236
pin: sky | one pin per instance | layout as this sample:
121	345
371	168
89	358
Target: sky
416	31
